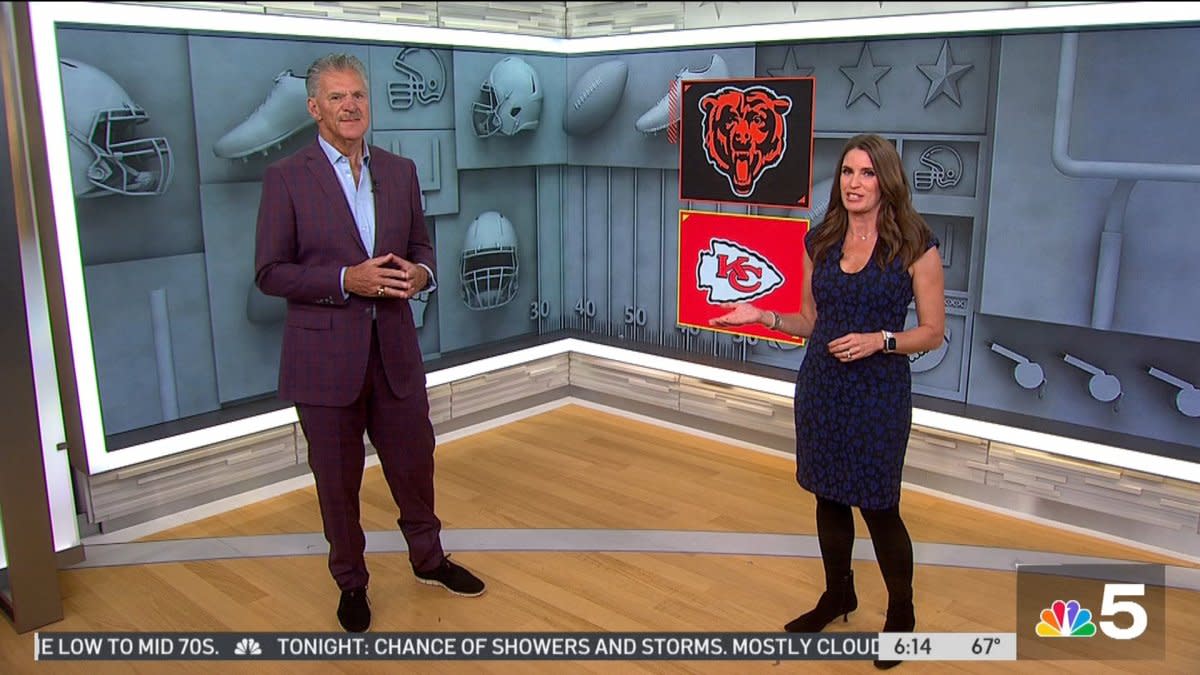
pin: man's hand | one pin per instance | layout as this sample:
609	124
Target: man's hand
414	278
386	276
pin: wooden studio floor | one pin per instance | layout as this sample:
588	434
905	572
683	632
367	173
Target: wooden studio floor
576	468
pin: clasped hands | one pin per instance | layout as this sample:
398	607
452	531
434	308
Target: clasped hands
386	276
849	347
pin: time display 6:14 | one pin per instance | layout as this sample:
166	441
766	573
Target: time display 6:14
912	646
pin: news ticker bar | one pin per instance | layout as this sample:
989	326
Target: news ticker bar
525	646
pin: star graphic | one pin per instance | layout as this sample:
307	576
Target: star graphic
790	66
943	76
864	77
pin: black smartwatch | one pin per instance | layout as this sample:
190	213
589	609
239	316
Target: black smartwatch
889	342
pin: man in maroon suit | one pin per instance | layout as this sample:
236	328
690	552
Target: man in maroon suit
341	235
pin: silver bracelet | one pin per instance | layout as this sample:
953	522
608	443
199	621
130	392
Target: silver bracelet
777	321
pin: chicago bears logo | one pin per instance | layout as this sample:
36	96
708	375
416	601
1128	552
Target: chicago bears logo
745	133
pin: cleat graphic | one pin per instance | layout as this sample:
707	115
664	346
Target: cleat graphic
660	116
283	114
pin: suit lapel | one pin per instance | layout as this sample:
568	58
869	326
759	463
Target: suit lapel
322	171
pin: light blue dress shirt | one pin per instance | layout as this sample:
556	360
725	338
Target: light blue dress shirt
361	200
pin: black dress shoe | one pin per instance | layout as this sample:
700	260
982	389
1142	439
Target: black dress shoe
354	611
838	600
452	577
901	618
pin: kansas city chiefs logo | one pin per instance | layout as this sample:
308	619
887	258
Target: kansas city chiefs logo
733	273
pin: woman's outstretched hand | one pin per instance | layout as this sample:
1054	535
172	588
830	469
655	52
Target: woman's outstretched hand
740	314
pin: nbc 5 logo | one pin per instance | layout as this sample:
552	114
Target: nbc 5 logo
1070	619
731	272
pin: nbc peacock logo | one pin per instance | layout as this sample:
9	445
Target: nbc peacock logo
1066	619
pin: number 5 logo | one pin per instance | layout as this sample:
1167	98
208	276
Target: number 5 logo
1112	606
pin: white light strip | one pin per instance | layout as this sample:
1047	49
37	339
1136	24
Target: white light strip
991	21
499	362
200	438
685	368
324	28
45	52
1061	445
1081	15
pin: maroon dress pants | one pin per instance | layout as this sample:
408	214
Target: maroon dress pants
400	431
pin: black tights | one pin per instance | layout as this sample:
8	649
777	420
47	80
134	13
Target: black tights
893	546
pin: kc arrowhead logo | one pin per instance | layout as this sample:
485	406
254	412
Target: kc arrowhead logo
730	257
730	272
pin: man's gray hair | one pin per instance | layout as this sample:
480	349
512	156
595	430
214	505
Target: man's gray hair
332	62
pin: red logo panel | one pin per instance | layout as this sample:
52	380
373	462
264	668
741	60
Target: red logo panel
726	258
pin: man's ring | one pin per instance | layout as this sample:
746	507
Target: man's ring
380	291
847	353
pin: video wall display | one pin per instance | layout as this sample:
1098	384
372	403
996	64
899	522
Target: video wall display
1057	170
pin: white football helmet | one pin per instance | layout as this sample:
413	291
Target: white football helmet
422	78
944	168
107	157
510	99
489	262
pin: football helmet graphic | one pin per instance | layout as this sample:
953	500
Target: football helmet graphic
510	100
944	168
107	156
422	78
489	262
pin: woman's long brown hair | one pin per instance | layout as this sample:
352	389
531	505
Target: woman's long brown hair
903	232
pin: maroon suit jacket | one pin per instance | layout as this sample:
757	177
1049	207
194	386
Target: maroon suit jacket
305	235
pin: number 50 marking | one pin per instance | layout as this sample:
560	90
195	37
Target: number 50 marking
1112	605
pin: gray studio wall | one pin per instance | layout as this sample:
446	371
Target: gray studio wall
596	215
1134	102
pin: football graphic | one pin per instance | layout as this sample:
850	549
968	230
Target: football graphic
594	97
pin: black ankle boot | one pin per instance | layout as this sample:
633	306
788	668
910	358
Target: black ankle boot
900	619
838	599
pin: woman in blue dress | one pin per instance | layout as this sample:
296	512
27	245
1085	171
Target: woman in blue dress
868	259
